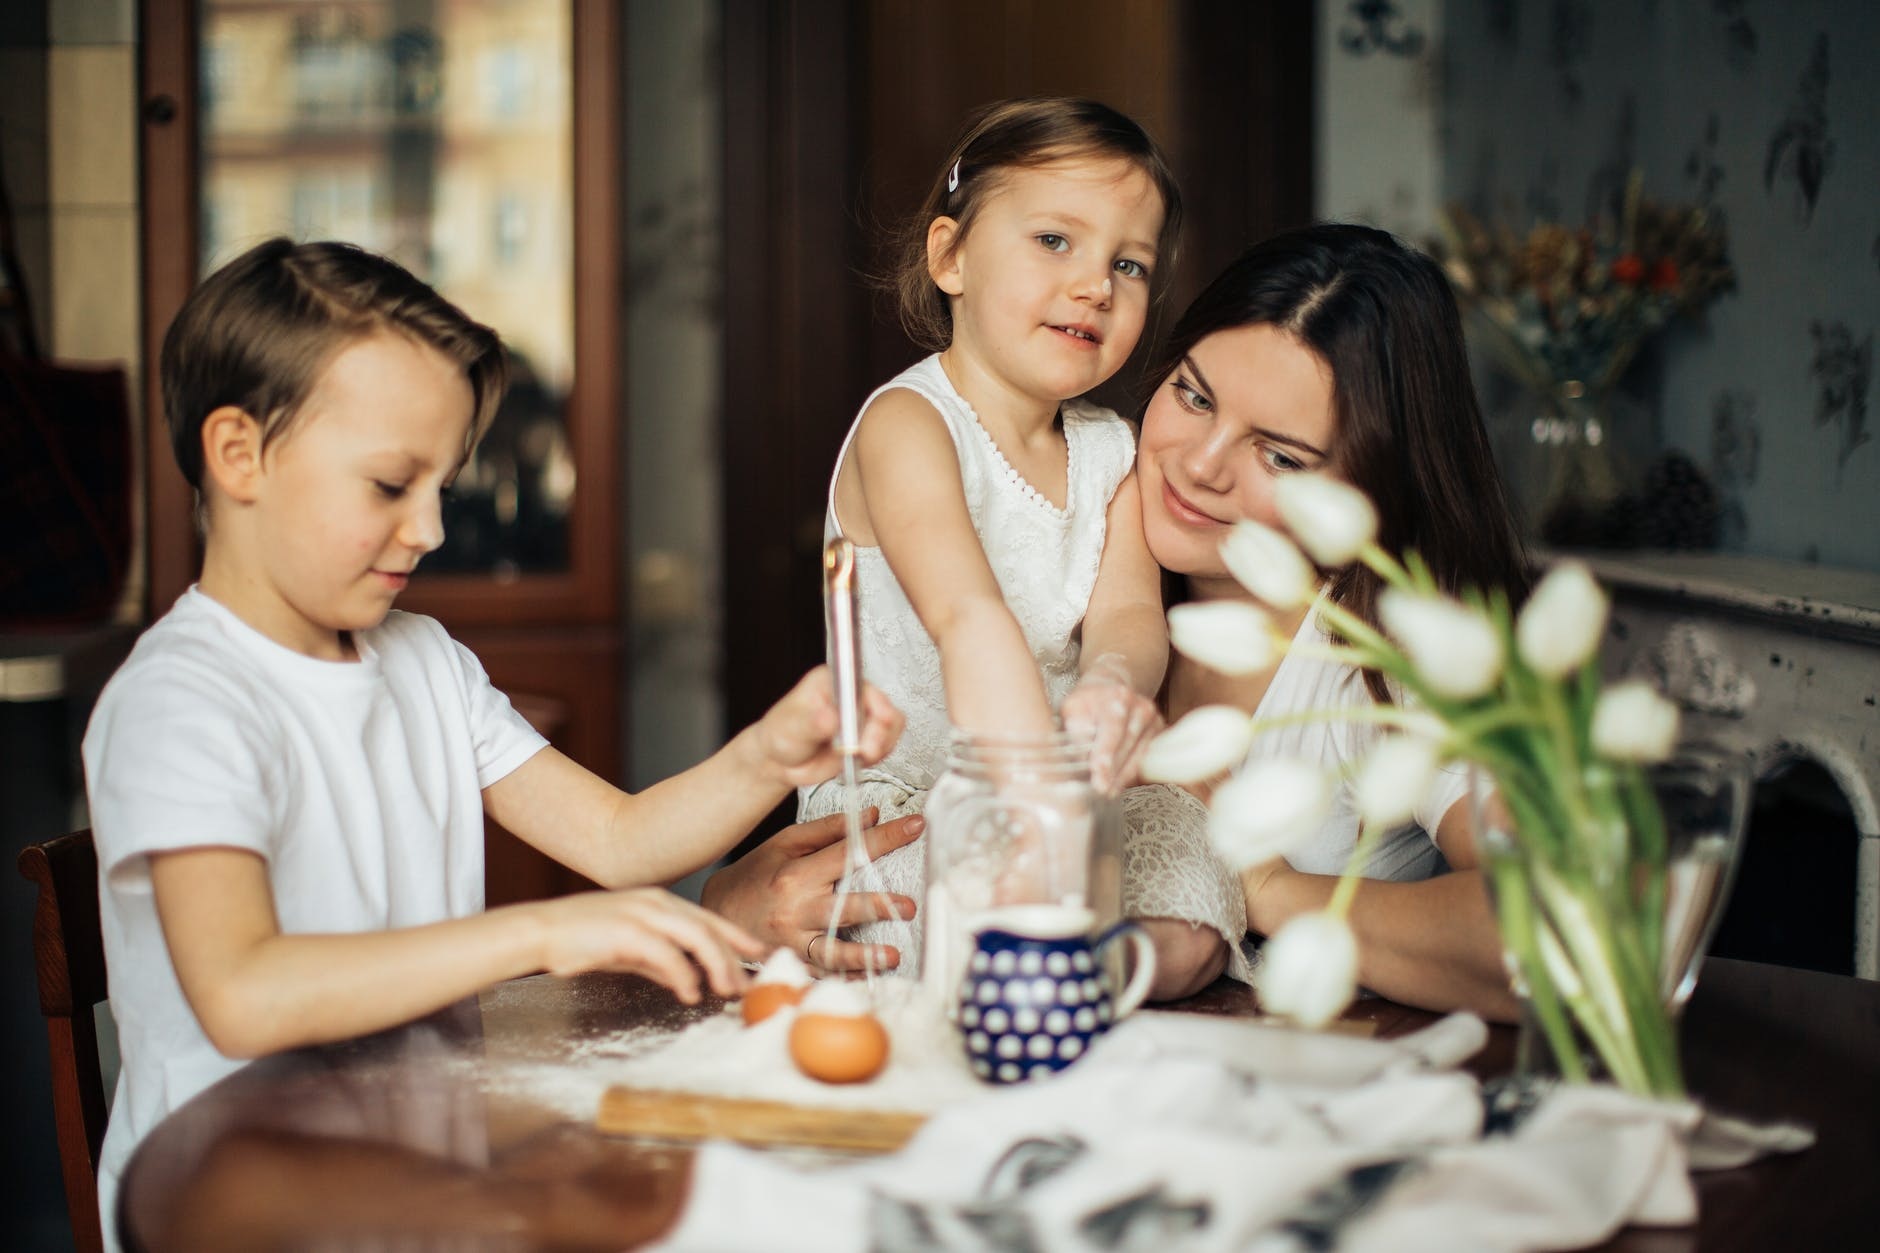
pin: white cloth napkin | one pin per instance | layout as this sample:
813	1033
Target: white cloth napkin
1140	1147
1275	1051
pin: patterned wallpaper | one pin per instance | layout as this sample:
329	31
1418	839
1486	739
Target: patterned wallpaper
1769	112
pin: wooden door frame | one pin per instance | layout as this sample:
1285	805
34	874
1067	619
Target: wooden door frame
794	323
801	327
589	591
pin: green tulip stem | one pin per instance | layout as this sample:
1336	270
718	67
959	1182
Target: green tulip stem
1648	828
1570	771
1515	905
1385	566
1355	629
1376	715
1347	887
1353	657
1496	718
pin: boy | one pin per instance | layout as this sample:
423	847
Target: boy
288	781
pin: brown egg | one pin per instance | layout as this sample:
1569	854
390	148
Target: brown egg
765	999
839	1048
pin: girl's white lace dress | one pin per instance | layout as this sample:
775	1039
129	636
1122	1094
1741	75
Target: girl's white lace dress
1045	560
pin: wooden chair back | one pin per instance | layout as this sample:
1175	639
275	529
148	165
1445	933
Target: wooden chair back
68	949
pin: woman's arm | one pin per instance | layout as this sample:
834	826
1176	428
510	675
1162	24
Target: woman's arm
912	505
256	990
1433	944
783	890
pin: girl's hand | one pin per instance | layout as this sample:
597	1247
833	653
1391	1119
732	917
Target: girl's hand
796	737
783	890
650	932
1120	721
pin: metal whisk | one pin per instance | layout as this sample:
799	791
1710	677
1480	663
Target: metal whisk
840	621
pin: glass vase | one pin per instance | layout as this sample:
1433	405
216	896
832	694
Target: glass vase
1580	499
1607	900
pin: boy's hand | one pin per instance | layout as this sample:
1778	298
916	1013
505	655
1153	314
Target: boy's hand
1120	721
795	738
783	889
650	932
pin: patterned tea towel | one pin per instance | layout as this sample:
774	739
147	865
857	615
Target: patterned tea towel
1159	1142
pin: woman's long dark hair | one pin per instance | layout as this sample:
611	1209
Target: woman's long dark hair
1408	430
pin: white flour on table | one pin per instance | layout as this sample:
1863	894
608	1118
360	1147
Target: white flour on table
720	1056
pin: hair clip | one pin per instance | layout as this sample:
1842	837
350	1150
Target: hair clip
953	178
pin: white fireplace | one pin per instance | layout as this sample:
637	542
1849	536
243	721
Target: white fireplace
1776	660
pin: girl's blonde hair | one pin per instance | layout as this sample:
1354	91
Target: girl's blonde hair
1019	134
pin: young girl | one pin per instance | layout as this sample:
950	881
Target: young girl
1001	569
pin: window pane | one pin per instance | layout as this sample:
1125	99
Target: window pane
437	132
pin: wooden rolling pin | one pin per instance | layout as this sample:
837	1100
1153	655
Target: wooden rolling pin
691	1116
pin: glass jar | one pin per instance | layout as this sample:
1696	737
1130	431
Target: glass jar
1014	820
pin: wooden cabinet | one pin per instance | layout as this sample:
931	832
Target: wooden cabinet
417	128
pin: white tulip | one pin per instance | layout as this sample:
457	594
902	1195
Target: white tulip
1226	635
1269	565
1452	646
1206	742
1561	624
1631	722
1309	969
1331	519
1268	810
1393	780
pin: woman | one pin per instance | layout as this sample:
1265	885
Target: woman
1337	348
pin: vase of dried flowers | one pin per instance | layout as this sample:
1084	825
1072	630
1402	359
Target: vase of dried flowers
1565	312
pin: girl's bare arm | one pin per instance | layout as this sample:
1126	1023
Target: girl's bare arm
914	508
1125	649
1125	618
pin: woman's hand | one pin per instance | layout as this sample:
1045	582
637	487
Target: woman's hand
796	737
650	932
782	890
1119	720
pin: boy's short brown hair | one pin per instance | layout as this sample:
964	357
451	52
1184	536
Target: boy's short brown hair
258	333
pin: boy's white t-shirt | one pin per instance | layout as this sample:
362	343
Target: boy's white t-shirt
358	783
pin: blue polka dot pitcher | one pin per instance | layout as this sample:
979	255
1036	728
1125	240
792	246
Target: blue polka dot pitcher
1036	993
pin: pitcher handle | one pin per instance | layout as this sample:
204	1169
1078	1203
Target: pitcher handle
1131	997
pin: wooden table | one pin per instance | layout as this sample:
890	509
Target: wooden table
403	1140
